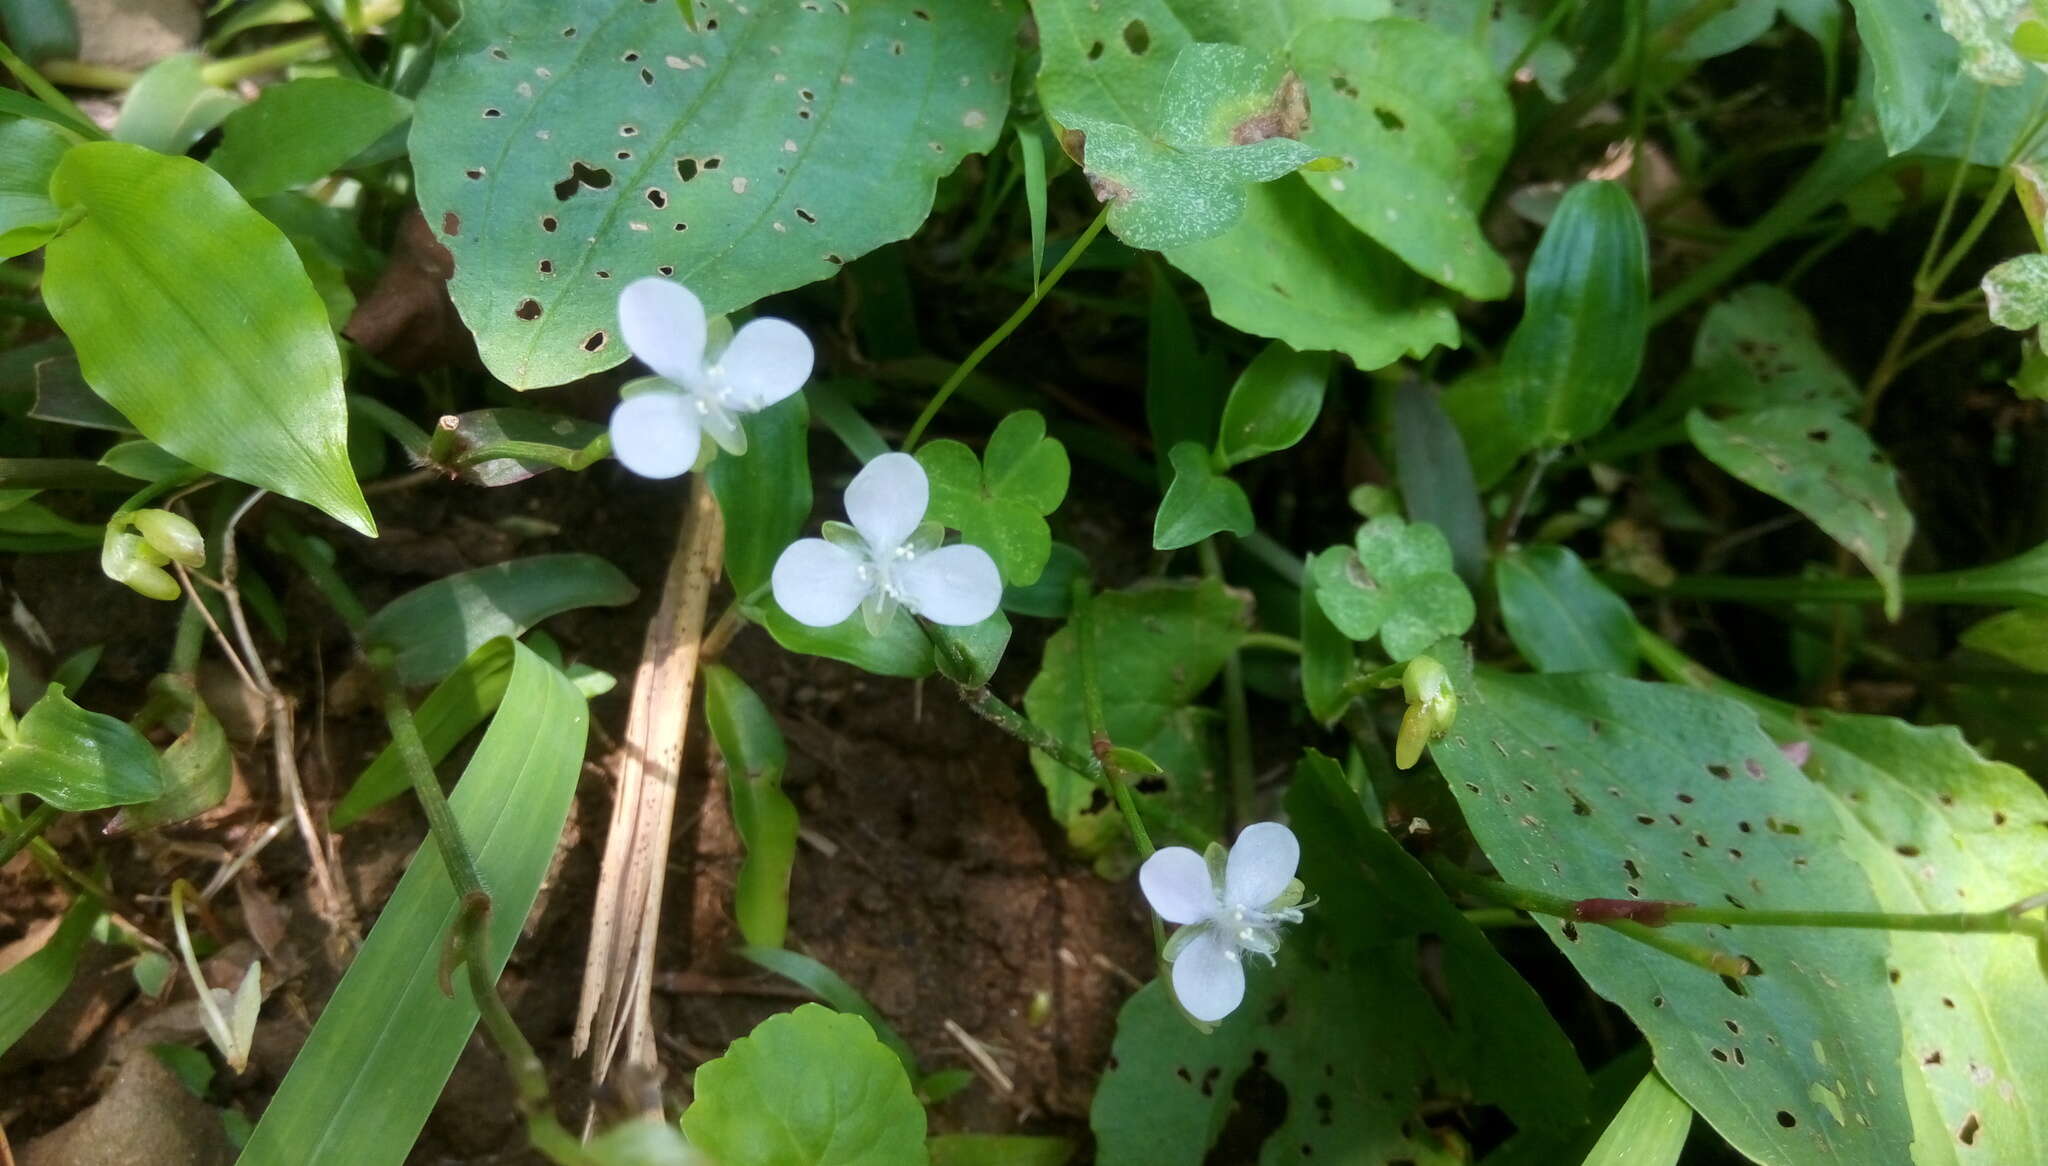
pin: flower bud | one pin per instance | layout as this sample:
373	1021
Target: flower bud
1432	709
171	535
128	560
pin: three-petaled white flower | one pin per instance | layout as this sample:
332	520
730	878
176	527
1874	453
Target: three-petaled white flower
657	431
1229	903
889	556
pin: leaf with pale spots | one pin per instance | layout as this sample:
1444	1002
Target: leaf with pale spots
565	150
1824	466
2016	292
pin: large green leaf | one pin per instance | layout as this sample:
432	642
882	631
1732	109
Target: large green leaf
1913	64
1823	465
77	759
1155	649
303	130
811	1087
1561	618
564	150
765	496
1349	979
29	988
368	1076
1422	125
1576	352
432	629
1585	785
193	316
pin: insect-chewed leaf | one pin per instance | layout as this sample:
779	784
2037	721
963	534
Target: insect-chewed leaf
564	150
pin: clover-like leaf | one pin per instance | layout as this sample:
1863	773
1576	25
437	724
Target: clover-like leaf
999	502
1199	503
2016	292
1228	118
1397	584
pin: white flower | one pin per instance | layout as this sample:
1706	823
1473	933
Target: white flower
1228	903
890	555
656	432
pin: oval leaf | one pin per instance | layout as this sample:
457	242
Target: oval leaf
1561	618
1274	402
193	316
565	149
76	759
434	628
302	130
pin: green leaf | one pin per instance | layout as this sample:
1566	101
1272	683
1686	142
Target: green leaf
432	629
1031	155
303	130
368	1076
1199	503
1650	1130
1503	29
1227	117
1349	978
2016	292
1435	475
755	757
39	30
1051	595
1576	352
1824	466
1156	648
29	988
757	154
1986	31
901	649
1294	270
825	984
1423	126
198	766
1328	658
2017	637
457	705
1759	348
212	341
1274	403
1186	382
766	495
1395	583
1913	63
78	760
807	1088
973	652
29	153
171	106
1572	784
1000	1150
146	461
1560	617
480	428
1482	406
1000	505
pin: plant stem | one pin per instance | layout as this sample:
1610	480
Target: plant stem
2002	921
441	823
600	447
1270	641
1003	330
1236	717
55	473
48	94
1506	531
529	1076
1264	548
30	829
1082	620
1559	9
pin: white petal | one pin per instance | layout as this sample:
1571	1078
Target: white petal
663	324
1261	865
817	583
767	361
1208	981
1176	882
656	435
887	499
955	586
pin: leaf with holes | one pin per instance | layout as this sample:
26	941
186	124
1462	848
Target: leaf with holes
1396	583
1292	268
1594	786
1423	127
1000	503
1824	466
1228	117
1156	648
564	150
1758	349
1560	617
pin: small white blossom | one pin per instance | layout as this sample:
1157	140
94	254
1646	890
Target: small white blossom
657	431
889	556
1229	903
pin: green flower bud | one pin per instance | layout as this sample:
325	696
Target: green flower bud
171	535
128	560
1432	709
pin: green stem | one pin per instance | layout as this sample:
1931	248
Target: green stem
1002	332
395	425
1270	641
1559	9
600	447
47	93
441	823
1236	716
53	473
1082	619
191	639
1953	587
1267	550
321	573
30	829
529	1076
2002	921
342	40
